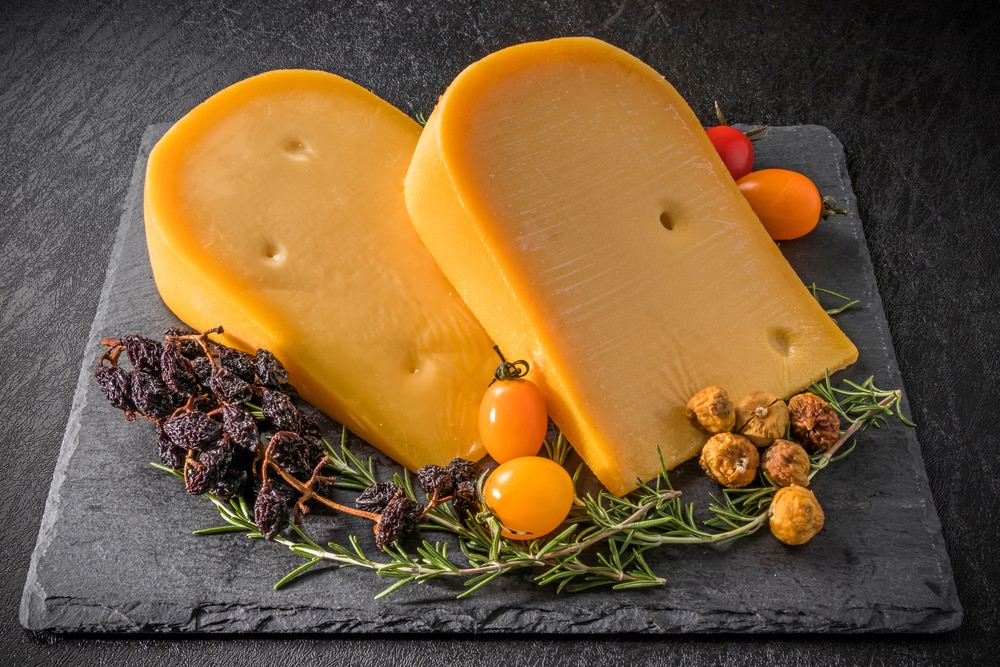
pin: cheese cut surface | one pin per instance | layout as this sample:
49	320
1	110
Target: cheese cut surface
574	200
275	209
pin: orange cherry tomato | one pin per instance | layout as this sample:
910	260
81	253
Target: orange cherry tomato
531	495
512	419
787	202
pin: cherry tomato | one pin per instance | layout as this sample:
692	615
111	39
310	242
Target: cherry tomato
512	419
734	147
531	495
787	202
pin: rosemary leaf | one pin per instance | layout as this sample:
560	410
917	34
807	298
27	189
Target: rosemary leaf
218	530
294	574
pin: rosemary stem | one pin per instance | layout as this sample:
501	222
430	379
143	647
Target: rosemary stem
551	558
577	547
705	538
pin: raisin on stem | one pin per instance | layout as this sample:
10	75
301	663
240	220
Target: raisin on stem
294	454
240	363
399	518
272	509
144	353
193	429
229	387
280	409
177	371
240	427
151	396
376	497
436	481
115	383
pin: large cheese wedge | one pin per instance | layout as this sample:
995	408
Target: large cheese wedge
275	209
572	197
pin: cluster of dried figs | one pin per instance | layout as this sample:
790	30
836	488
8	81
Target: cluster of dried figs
786	432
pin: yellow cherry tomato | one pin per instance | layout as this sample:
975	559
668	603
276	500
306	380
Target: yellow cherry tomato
512	419
531	496
787	202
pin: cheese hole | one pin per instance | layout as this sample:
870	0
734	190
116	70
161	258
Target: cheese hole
296	149
273	252
780	340
666	221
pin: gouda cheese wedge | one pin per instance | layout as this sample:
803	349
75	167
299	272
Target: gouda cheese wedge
572	197
275	209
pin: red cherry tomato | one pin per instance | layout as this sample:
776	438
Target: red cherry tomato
734	147
531	496
787	202
512	419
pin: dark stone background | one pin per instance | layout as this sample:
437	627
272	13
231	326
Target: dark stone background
910	89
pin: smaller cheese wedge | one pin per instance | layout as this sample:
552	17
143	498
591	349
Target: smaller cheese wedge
275	209
572	197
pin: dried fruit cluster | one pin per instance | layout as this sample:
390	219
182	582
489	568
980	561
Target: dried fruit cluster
788	432
198	392
398	515
232	424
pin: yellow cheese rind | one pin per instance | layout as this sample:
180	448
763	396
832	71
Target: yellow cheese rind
275	209
572	197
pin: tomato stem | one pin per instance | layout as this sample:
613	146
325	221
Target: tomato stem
718	114
750	134
830	208
508	370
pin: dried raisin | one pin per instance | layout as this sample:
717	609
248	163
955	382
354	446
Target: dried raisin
399	518
240	427
465	500
114	382
376	497
151	397
280	409
294	454
463	471
203	371
177	371
243	365
229	387
171	454
436	481
272	509
144	353
193	429
270	372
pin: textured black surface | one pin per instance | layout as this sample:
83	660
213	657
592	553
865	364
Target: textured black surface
864	575
909	88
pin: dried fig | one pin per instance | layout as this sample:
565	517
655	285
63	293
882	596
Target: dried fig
711	410
786	463
815	424
730	459
761	417
795	515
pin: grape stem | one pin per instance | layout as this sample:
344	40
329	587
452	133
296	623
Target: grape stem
307	491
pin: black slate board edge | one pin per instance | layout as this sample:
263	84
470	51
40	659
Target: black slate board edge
33	599
430	610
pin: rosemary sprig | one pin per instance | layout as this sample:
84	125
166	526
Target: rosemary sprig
862	402
602	543
848	301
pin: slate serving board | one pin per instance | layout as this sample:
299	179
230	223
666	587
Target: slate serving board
115	551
